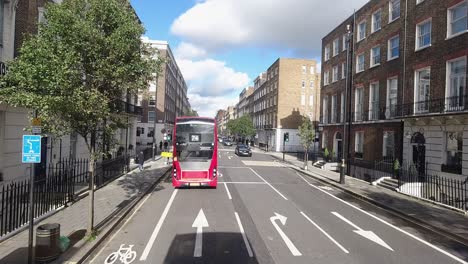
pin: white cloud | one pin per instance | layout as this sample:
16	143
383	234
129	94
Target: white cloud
294	24
209	105
189	51
209	77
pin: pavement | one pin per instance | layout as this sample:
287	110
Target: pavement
264	211
110	201
451	223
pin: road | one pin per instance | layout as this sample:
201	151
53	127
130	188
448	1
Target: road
263	212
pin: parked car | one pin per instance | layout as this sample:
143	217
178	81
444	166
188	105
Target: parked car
227	143
243	150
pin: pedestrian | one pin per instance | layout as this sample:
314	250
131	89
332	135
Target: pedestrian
165	145
160	145
141	160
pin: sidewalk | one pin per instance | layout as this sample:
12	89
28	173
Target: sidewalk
109	201
436	218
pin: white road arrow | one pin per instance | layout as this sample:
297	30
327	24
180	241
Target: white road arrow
200	222
367	234
288	242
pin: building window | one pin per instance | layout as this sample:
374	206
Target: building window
325	109
344	42
303	84
388	150
327	52
335	74
394	10
457	19
342	106
394	48
362	30
311	100
374	101
392	96
454	153
152	101
151	116
423	34
376	21
326	77
333	109
359	144
303	99
324	140
304	69
360	63
336	47
456	84
375	56
312	70
343	70
312	84
422	90
358	104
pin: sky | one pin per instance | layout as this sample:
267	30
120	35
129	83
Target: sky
221	46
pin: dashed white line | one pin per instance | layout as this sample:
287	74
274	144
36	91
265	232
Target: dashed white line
388	224
325	233
284	197
241	228
246	182
150	243
227	191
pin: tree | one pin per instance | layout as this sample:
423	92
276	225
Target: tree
73	73
242	127
192	112
307	135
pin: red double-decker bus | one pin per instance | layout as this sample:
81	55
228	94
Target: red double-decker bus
195	152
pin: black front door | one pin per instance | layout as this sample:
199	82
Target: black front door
340	150
419	159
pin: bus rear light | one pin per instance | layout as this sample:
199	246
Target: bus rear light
214	173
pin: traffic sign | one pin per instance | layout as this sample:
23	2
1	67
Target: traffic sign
36	130
31	149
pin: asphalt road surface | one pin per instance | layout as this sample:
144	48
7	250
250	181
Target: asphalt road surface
262	212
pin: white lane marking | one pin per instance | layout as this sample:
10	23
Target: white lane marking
221	175
388	224
326	188
284	197
241	228
366	234
227	167
150	243
229	157
246	182
285	238
200	222
325	233
125	223
227	191
125	255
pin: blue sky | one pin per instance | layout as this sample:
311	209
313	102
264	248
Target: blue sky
222	45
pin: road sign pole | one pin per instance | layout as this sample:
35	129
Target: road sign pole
31	214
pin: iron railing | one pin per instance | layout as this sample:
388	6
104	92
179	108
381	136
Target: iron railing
120	106
433	106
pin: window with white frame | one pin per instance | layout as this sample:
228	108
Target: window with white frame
422	90
361	31
360	62
327	52
151	116
392	96
325	109
457	19
311	100
394	47
303	99
374	101
394	10
344	42
326	77
335	73
336	47
333	109
376	21
359	144
312	84
456	84
453	152
388	150
375	56
304	69
343	70
423	34
324	140
342	106
358	104
312	70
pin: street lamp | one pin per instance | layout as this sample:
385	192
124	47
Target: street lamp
347	96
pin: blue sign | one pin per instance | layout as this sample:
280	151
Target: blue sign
31	149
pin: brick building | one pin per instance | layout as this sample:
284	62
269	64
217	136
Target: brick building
288	90
408	84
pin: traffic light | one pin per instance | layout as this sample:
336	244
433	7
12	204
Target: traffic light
286	137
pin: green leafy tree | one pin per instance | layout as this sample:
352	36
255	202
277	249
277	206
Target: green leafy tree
307	135
241	127
232	126
73	73
192	113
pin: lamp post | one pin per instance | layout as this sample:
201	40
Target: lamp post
345	156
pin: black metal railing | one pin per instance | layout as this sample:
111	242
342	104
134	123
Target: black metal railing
433	106
58	187
120	106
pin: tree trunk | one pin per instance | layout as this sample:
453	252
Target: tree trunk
306	158
91	172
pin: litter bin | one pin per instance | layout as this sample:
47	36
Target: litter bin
47	242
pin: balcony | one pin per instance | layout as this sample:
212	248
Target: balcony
120	106
446	105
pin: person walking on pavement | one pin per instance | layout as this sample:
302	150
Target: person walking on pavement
141	160
165	145
160	145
